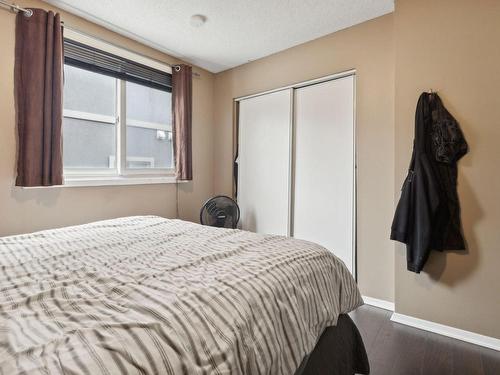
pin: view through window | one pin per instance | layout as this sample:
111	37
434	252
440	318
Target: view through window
95	138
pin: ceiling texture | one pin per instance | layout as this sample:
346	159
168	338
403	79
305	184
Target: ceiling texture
235	31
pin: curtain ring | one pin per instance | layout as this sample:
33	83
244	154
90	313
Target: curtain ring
177	68
28	13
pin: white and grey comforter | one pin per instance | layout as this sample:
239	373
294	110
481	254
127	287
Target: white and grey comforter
147	295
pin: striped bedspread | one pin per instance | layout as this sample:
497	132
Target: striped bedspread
147	295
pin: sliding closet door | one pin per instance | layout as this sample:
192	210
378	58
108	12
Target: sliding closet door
323	205
264	162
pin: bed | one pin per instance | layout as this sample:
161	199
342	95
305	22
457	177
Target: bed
148	295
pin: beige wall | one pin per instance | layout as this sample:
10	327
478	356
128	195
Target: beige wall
453	46
368	48
24	210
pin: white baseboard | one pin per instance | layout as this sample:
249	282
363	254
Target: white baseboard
386	305
441	329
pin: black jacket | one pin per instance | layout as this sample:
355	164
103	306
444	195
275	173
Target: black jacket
428	213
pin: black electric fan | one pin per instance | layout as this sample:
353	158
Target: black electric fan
221	212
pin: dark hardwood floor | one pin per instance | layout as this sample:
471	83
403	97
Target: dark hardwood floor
396	349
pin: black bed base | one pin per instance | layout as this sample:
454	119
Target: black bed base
339	351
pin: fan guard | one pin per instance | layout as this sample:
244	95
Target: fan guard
220	211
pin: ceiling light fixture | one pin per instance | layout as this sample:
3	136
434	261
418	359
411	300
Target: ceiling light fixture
198	20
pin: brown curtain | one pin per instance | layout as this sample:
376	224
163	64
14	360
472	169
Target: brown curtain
181	120
38	80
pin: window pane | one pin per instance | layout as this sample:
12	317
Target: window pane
90	92
149	105
89	138
148	148
149	137
88	144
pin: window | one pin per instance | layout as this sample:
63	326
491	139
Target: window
149	130
89	120
117	122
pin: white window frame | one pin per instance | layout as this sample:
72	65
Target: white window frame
121	175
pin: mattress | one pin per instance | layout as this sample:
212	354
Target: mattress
148	295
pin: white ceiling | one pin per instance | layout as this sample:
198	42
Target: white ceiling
236	31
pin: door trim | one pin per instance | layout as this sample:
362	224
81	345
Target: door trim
297	85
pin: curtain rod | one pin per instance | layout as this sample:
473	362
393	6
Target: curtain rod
16	8
28	13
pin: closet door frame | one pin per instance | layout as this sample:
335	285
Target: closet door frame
293	88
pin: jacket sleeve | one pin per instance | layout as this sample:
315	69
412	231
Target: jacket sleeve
414	215
401	226
426	205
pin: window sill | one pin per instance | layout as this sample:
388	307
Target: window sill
111	181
